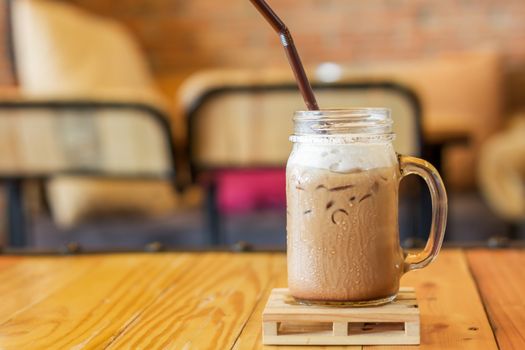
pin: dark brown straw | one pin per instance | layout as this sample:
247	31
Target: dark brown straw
291	52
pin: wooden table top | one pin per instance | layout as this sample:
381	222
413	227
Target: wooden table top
468	300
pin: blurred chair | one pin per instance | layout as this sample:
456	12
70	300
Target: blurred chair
462	97
238	129
501	174
44	139
87	116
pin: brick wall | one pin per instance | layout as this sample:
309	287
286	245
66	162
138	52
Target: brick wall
190	34
185	35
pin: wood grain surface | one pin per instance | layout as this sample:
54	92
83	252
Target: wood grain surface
92	309
452	315
25	282
215	301
205	309
500	276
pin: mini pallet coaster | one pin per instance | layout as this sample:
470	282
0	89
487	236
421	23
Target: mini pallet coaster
285	322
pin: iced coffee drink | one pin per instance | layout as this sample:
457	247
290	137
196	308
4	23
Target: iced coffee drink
343	240
342	208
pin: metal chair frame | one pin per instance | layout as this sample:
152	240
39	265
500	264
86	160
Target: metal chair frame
198	170
17	233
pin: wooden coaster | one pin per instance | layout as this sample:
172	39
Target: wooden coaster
285	322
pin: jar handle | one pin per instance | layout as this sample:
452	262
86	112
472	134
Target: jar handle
411	165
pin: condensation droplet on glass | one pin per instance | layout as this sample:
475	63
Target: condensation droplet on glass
334	166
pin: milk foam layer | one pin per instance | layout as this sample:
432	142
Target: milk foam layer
343	158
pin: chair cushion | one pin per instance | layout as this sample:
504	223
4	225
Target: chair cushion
77	200
80	199
62	50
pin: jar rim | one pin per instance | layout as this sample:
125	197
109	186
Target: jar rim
348	125
343	139
370	113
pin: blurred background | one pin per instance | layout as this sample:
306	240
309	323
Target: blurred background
144	124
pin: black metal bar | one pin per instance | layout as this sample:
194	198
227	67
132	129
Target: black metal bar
213	215
91	173
513	231
425	213
15	213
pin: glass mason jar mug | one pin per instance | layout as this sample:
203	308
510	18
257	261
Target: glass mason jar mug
342	181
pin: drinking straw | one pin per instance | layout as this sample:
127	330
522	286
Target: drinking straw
291	52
